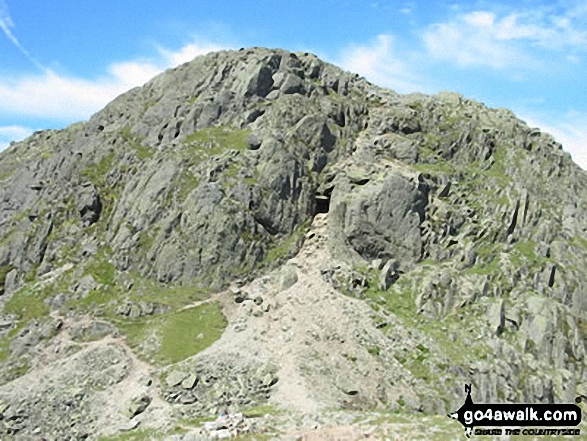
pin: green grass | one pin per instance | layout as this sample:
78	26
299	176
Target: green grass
281	249
143	435
96	298
174	296
102	270
105	300
96	173
186	183
428	361
4	270
27	304
261	410
5	174
143	152
219	138
190	331
202	145
181	333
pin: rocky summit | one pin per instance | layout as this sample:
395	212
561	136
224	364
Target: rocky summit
256	243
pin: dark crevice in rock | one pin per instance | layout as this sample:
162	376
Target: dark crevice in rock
514	221
322	204
551	277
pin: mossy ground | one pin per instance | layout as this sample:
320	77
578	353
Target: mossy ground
143	435
214	140
430	359
180	334
4	270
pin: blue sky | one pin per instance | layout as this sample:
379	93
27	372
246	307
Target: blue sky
61	61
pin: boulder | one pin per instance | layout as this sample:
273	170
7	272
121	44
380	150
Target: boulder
190	382
138	405
289	277
175	378
88	203
85	286
496	317
378	220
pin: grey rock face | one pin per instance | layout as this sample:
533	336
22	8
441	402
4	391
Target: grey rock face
455	220
378	218
88	204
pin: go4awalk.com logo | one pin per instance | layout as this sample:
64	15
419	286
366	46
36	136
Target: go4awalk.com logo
513	419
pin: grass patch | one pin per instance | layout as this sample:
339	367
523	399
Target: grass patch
96	298
190	331
143	153
186	183
261	410
214	140
4	270
5	174
176	296
27	305
283	248
422	362
102	271
142	435
181	333
96	173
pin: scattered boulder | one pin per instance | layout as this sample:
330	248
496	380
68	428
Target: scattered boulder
175	378
190	382
137	310
289	277
85	286
253	142
9	283
227	426
138	405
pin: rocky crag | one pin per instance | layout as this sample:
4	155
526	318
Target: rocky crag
258	231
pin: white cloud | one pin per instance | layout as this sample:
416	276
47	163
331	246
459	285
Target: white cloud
482	38
68	98
379	64
12	133
571	132
472	40
188	52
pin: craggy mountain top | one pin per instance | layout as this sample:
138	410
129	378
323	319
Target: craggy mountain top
258	231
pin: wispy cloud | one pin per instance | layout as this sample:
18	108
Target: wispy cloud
471	40
486	38
12	133
380	64
6	24
69	98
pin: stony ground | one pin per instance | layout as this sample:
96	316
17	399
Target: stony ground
315	340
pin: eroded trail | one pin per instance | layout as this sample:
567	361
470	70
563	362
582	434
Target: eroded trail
321	340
